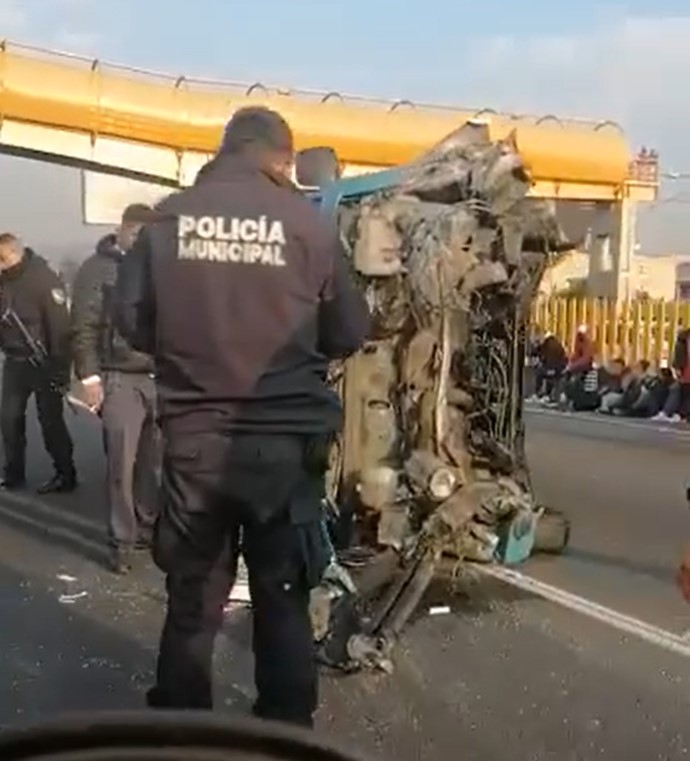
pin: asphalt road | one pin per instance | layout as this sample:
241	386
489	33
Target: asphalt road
622	483
506	675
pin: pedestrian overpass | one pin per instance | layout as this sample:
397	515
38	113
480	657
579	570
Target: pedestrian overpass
160	129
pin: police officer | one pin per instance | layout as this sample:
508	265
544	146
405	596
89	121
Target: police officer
33	298
118	383
242	293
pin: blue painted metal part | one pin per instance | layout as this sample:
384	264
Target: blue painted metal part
516	539
347	188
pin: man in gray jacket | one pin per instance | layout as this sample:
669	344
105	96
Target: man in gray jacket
118	384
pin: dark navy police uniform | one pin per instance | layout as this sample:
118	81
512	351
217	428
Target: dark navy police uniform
242	294
37	297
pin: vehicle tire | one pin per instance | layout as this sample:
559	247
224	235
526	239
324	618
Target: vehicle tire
552	532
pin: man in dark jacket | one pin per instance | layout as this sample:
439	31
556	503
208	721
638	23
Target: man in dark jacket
242	293
33	299
118	383
552	360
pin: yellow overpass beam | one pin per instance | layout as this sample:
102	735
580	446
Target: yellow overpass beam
87	98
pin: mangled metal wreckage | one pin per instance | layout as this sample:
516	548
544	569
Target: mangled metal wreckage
430	467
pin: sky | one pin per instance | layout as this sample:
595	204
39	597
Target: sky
625	61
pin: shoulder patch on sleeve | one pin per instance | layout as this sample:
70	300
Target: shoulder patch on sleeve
58	295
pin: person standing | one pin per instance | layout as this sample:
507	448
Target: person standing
118	383
681	369
242	293
33	299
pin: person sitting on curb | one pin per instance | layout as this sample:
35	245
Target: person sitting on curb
653	390
581	362
613	386
551	361
669	404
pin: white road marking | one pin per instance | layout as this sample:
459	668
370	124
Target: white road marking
49	510
613	421
675	643
67	534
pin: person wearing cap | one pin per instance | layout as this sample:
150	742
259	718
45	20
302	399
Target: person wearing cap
241	290
33	307
118	384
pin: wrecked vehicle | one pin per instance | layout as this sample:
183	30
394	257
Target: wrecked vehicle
430	467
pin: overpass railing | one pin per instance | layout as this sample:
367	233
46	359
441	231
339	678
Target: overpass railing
637	329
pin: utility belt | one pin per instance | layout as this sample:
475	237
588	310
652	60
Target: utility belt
271	474
317	448
305	500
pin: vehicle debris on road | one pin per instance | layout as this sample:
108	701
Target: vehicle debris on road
430	464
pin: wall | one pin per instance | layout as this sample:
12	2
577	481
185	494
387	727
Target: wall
594	275
683	280
654	276
568	275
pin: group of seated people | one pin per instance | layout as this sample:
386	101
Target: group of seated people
580	384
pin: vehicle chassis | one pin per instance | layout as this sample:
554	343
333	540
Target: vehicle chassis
430	469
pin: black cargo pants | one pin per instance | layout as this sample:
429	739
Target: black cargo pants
21	379
222	495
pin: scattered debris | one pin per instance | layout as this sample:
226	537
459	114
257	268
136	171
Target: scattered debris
71	599
66	578
439	610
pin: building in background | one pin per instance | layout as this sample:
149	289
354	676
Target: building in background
683	279
567	277
659	277
654	276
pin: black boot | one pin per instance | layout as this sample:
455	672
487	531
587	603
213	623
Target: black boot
12	483
144	541
120	560
60	483
155	699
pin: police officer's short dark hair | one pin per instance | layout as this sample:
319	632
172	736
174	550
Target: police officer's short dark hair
137	214
259	128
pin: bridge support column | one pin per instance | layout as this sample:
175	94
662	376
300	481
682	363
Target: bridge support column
612	248
624	238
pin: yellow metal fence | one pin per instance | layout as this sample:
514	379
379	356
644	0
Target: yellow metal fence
640	329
